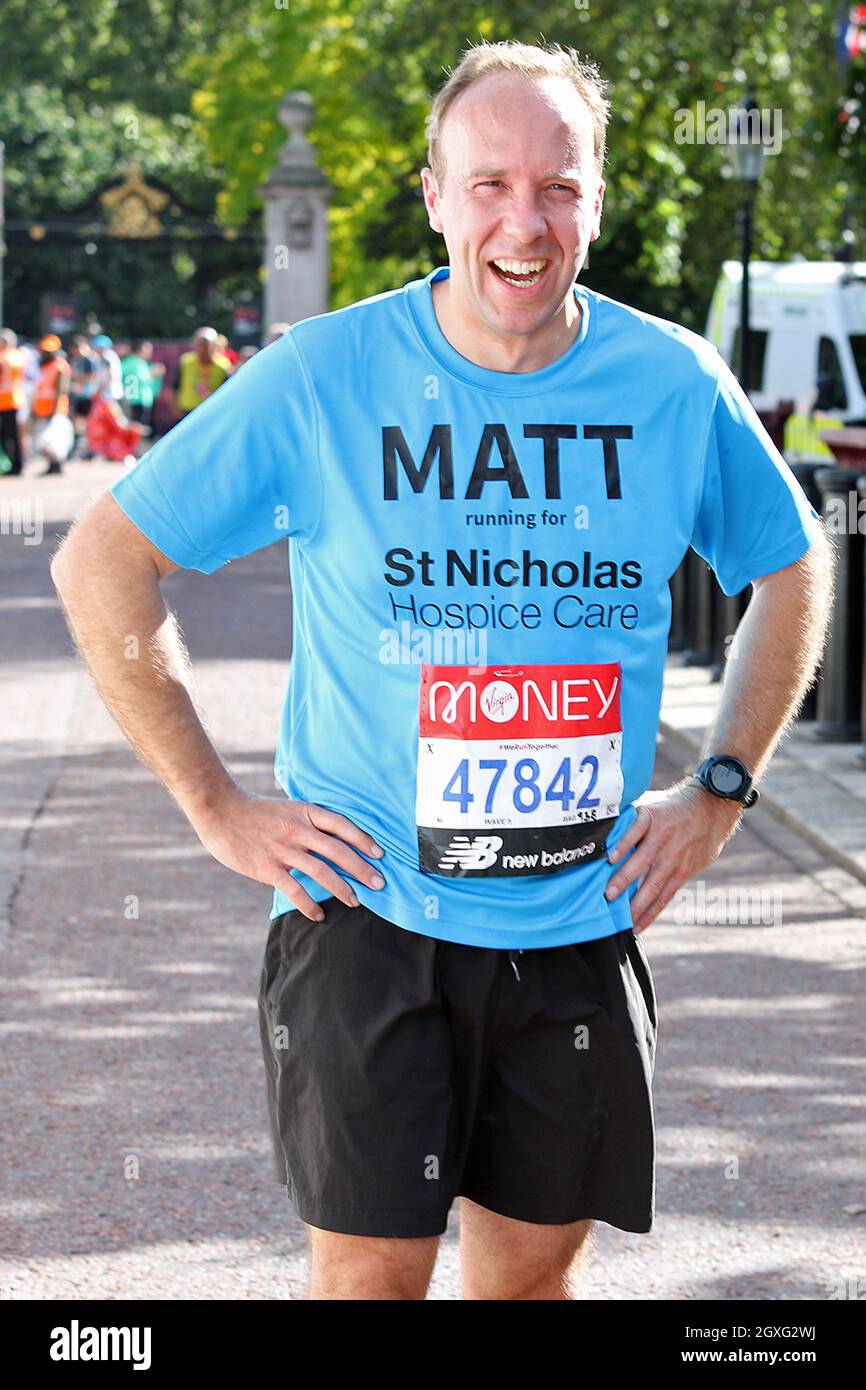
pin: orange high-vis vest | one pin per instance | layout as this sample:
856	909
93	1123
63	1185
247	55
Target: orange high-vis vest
11	379
48	398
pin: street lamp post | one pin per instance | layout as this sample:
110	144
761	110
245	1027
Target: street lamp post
748	153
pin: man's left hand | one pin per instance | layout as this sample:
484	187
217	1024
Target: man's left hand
678	832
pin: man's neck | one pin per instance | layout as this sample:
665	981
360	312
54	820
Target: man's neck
498	352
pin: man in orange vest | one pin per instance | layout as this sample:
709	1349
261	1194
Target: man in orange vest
52	435
11	399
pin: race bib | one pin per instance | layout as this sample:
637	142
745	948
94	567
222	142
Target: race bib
519	768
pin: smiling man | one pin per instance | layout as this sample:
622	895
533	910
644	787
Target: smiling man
518	201
454	1001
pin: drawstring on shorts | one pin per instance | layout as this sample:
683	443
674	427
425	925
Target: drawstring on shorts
511	955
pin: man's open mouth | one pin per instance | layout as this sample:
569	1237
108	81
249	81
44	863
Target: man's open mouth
521	274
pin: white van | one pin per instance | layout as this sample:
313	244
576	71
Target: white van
808	322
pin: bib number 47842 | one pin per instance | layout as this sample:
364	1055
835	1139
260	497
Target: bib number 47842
518	767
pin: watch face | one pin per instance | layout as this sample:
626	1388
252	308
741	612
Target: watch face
726	779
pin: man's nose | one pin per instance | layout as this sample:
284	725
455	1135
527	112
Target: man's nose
524	219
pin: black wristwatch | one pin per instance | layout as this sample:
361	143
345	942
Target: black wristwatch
728	778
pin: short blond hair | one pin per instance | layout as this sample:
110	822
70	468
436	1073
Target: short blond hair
525	60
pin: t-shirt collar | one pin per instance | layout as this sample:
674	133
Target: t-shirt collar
420	301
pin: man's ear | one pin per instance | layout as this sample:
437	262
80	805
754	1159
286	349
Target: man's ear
599	204
430	190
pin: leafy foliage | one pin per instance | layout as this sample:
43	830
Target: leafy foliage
203	80
671	210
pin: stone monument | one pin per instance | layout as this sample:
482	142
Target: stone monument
296	198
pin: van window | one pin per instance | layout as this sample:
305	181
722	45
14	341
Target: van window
757	356
858	348
830	381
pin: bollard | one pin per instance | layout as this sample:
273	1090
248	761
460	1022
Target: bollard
840	689
700	582
679	616
805	475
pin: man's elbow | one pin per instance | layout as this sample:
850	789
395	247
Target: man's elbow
62	566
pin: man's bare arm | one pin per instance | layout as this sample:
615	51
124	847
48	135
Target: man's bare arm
107	575
776	651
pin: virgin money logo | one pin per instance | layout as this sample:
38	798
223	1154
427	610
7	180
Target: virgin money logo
500	701
539	701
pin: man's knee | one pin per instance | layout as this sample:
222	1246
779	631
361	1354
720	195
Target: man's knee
516	1261
360	1267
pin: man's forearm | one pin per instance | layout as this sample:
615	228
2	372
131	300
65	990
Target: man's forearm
134	650
774	656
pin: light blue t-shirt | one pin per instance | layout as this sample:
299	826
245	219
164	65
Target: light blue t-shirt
480	564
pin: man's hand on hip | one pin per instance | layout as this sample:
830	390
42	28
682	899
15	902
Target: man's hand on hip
262	837
678	832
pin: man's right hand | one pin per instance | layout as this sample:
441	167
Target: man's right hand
262	837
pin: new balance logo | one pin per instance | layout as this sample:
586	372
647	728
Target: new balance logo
478	853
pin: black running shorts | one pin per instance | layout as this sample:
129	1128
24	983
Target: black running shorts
403	1071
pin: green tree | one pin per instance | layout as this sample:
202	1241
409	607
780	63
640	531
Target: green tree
115	93
671	211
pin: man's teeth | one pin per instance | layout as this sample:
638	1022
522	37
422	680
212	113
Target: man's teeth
528	271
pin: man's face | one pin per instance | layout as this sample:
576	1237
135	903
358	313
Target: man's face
520	188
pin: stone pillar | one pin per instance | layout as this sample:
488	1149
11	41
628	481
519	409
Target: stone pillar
296	198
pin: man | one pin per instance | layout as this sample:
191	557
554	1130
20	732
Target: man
12	369
141	382
52	434
109	378
200	371
85	365
488	477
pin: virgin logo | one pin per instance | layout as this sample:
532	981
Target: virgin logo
500	701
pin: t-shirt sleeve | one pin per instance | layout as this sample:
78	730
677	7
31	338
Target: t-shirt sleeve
754	517
238	473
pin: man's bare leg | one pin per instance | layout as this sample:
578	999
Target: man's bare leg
506	1259
350	1267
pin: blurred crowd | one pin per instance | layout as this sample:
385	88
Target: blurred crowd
92	397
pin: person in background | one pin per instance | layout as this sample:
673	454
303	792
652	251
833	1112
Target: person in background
32	358
85	366
111	434
246	353
110	376
52	433
275	331
12	366
142	379
222	346
199	372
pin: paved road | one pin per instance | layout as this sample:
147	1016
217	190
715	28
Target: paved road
136	1158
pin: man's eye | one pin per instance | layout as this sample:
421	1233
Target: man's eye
566	186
